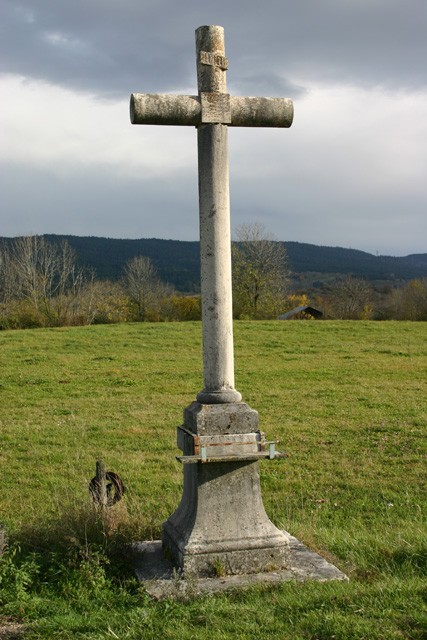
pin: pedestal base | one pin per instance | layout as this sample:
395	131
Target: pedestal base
161	581
220	526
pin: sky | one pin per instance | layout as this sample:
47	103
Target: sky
350	172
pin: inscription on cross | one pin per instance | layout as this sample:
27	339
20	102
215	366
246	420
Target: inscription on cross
214	60
212	111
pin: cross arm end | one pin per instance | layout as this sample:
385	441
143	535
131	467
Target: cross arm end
151	108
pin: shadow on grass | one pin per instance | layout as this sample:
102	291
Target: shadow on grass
85	549
414	558
74	570
398	562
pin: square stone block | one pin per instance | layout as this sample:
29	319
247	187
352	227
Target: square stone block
212	419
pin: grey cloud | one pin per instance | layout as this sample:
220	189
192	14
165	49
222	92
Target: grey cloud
94	202
286	48
112	47
267	84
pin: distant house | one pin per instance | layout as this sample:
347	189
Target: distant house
301	313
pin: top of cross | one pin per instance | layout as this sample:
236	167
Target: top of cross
212	104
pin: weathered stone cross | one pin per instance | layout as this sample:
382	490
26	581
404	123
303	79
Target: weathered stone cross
221	518
212	112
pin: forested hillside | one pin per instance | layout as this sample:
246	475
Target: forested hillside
68	280
178	262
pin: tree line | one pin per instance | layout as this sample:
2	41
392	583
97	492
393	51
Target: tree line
41	285
178	261
351	298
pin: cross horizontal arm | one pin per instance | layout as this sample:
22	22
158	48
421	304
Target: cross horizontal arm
178	110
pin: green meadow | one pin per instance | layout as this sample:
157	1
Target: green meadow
347	402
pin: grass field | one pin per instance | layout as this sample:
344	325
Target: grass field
346	400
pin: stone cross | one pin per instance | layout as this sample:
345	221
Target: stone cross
220	522
212	111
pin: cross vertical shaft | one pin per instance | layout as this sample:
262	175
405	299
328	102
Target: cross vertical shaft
214	207
221	518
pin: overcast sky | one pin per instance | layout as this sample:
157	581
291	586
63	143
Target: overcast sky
351	171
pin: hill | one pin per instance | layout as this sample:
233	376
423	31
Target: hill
178	262
309	257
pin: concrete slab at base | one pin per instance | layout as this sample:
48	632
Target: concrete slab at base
162	581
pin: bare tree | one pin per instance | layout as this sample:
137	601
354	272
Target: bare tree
142	284
350	299
67	283
8	276
260	273
103	302
410	301
46	275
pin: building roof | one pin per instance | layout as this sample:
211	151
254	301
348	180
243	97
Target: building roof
304	309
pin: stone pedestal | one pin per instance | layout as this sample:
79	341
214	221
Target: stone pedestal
220	526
